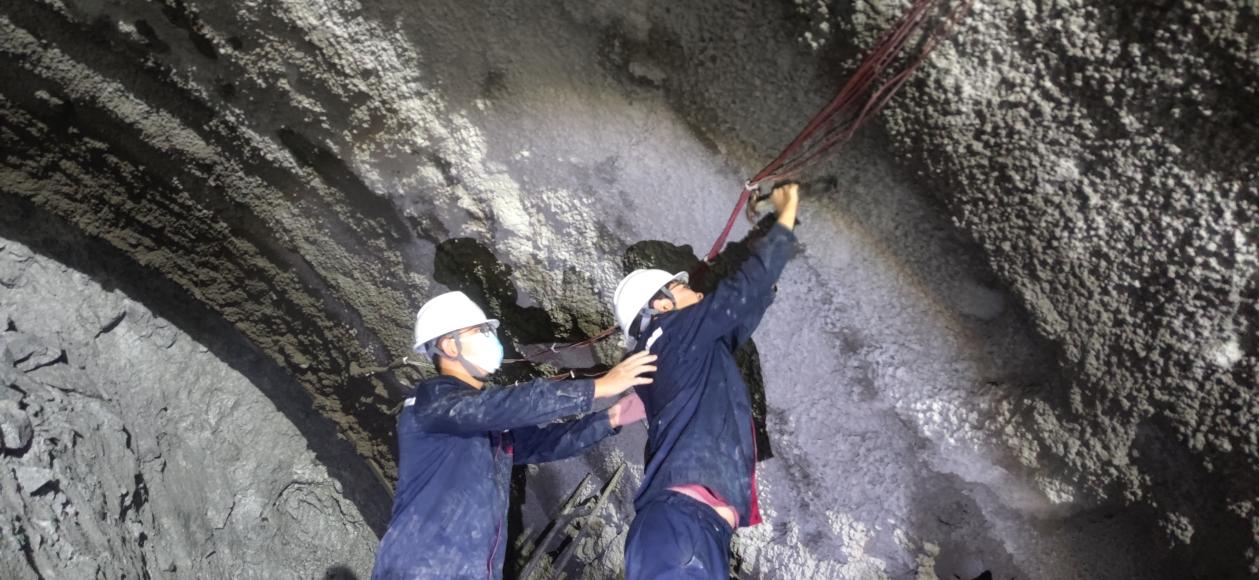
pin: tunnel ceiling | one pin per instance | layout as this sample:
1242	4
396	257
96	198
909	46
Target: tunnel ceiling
295	167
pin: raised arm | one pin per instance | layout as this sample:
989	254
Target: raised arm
735	308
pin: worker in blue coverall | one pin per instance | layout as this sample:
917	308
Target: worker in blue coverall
458	438
699	483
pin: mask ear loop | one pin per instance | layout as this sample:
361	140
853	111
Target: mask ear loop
465	363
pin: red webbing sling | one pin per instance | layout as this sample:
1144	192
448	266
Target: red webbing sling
863	96
858	100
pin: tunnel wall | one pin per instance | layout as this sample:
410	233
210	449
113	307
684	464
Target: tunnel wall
131	447
1019	337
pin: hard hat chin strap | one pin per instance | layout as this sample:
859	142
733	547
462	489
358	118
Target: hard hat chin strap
465	363
644	317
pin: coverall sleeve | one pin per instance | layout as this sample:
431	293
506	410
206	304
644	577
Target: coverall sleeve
735	308
460	410
560	440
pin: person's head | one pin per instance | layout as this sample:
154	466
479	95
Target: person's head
452	330
476	345
676	295
645	293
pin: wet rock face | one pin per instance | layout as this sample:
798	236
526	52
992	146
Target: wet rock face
1019	337
131	449
1106	157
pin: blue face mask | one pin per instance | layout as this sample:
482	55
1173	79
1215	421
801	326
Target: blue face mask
483	350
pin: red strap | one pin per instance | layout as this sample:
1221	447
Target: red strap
754	508
725	233
857	101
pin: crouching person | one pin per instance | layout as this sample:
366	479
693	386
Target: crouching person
458	438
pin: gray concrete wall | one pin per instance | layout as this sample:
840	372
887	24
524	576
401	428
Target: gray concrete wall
1020	336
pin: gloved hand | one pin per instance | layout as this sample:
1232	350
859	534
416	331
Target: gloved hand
627	411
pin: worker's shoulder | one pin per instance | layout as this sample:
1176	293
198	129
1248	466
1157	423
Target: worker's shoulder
436	386
677	329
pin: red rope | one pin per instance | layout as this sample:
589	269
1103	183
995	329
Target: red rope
856	102
561	347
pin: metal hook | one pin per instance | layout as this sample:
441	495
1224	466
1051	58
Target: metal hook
754	207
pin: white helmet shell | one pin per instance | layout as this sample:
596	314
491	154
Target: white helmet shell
445	314
635	290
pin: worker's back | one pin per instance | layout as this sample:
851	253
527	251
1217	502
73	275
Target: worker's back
700	429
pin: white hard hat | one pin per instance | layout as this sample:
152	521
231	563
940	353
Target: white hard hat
445	314
635	290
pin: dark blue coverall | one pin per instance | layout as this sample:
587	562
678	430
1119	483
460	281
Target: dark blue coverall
456	446
700	428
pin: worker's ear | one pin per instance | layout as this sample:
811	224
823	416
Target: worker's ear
446	345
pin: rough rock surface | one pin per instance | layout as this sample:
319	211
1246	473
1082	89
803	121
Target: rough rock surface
1020	337
131	449
1106	157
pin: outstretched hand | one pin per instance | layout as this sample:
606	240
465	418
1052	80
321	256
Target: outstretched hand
626	375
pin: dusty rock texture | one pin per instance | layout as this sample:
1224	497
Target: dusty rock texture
1106	157
1020	336
131	449
195	192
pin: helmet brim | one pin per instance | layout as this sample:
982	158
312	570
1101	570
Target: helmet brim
423	349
